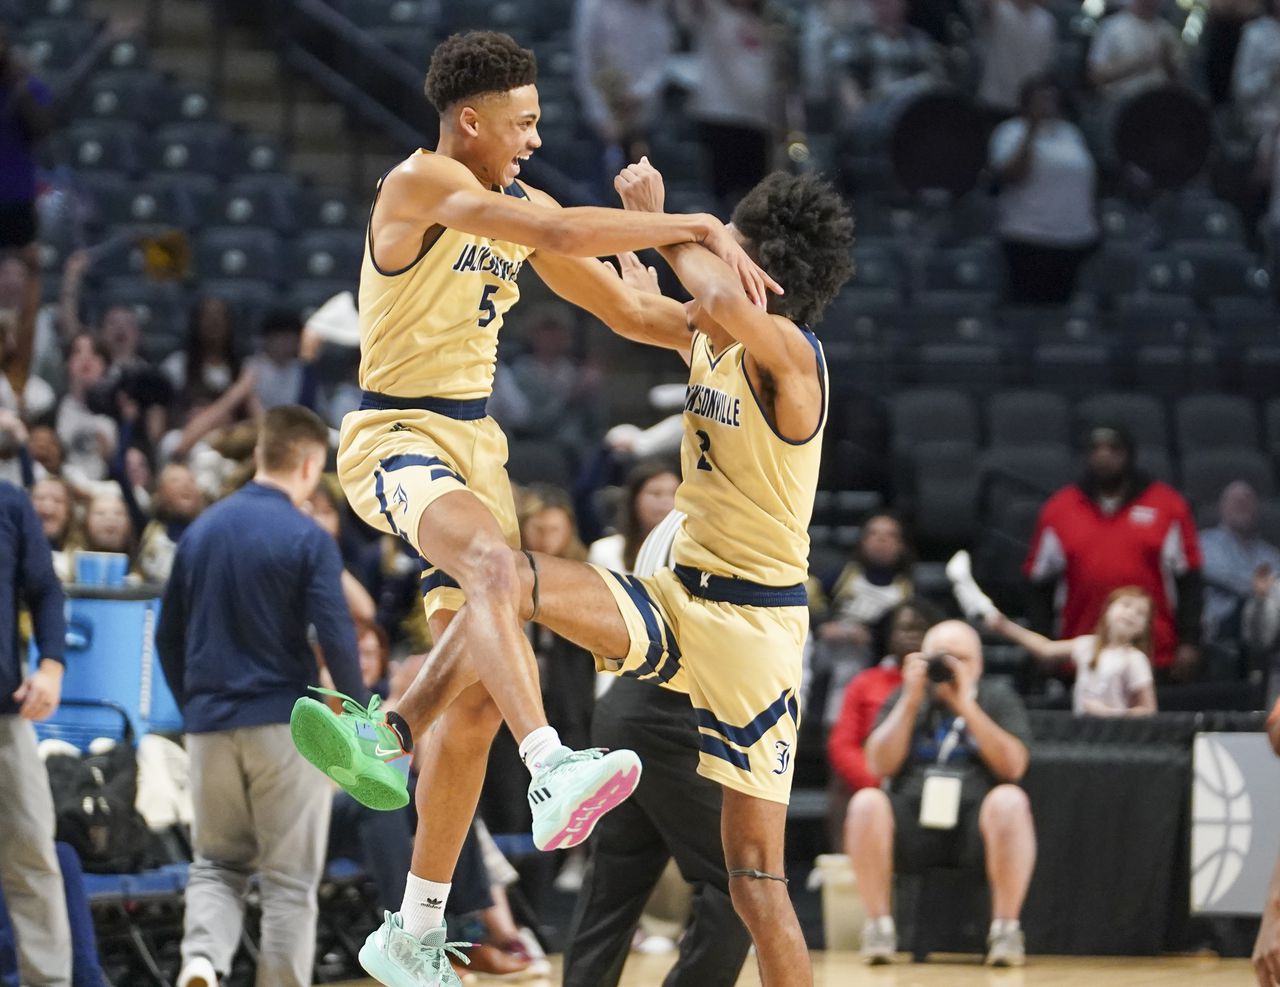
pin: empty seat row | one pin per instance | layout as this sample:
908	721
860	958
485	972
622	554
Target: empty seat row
201	147
1035	417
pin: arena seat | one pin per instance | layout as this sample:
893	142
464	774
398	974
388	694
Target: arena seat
53	46
1195	219
1141	414
945	493
1013	472
199	146
129	94
1215	421
100	145
1206	472
328	208
1121	222
240	252
1215	271
326	254
874	268
1019	418
119	203
972	268
931	415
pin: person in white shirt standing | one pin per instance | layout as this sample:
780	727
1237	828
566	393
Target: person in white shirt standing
1019	39
1133	49
1256	89
1046	206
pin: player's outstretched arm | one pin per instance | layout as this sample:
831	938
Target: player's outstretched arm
433	190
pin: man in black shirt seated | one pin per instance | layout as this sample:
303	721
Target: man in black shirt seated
951	748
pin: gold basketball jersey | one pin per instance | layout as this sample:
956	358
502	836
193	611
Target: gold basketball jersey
431	329
747	491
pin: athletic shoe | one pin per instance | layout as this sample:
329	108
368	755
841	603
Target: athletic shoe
879	941
975	603
197	972
337	746
395	958
1007	947
574	789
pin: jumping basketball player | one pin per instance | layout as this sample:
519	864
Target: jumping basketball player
728	622
448	233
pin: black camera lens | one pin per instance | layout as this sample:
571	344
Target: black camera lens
939	671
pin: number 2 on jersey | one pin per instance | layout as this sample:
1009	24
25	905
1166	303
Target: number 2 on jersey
488	312
704	444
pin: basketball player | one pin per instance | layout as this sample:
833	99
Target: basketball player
448	234
728	622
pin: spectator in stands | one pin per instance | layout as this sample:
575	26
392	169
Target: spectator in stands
831	29
845	610
889	58
47	454
327	508
1260	629
898	634
735	102
648	496
15	456
563	393
52	500
1019	40
251	576
1134	48
209	364
1113	664
88	435
1118	527
178	502
1047	222
927	734
280	375
1233	553
107	527
621	48
29	873
1256	89
20	389
26	116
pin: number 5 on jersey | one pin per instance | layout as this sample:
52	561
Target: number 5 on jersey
487	312
704	444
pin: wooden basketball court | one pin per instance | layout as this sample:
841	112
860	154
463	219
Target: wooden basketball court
844	970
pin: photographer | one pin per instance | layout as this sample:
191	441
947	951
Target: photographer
952	748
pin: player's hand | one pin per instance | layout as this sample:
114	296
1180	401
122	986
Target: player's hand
1266	950
641	188
639	277
40	692
915	677
755	281
956	694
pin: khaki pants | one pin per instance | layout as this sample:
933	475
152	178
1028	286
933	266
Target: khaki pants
261	810
29	871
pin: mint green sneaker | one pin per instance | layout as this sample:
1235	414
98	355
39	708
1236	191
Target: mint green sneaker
393	957
335	745
571	793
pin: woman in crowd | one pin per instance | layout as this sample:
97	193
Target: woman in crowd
326	507
88	436
107	527
209	364
1113	664
1046	222
55	507
649	496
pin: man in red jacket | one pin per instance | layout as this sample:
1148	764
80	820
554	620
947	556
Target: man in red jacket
1118	527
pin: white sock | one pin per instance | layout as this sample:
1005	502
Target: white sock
423	907
999	926
535	747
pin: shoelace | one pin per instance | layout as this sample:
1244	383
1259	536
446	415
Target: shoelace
435	959
353	708
577	757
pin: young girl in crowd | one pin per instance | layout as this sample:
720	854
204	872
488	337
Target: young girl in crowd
1113	664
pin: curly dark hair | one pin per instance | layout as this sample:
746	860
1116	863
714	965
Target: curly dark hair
800	231
477	62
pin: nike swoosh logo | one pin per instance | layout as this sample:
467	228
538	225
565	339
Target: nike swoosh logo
380	751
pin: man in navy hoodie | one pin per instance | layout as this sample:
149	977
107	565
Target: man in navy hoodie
251	577
29	871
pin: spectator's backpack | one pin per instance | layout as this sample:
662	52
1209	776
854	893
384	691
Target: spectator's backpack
93	798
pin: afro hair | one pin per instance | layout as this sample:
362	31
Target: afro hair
800	231
475	63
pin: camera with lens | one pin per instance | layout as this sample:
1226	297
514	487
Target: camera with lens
939	671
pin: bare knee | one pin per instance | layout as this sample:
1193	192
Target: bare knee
1005	810
489	572
869	812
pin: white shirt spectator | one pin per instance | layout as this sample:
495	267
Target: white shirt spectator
216	377
1125	39
1019	45
826	37
735	61
1054	204
1121	672
629	39
89	440
38	398
1256	82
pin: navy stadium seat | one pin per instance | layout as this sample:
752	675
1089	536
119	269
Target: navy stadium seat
1214	421
1141	414
1206	472
55	45
239	252
100	145
327	254
128	94
198	146
1022	418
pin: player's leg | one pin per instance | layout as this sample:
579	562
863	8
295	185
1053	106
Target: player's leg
753	832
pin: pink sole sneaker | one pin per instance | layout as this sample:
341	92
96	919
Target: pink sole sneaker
613	792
